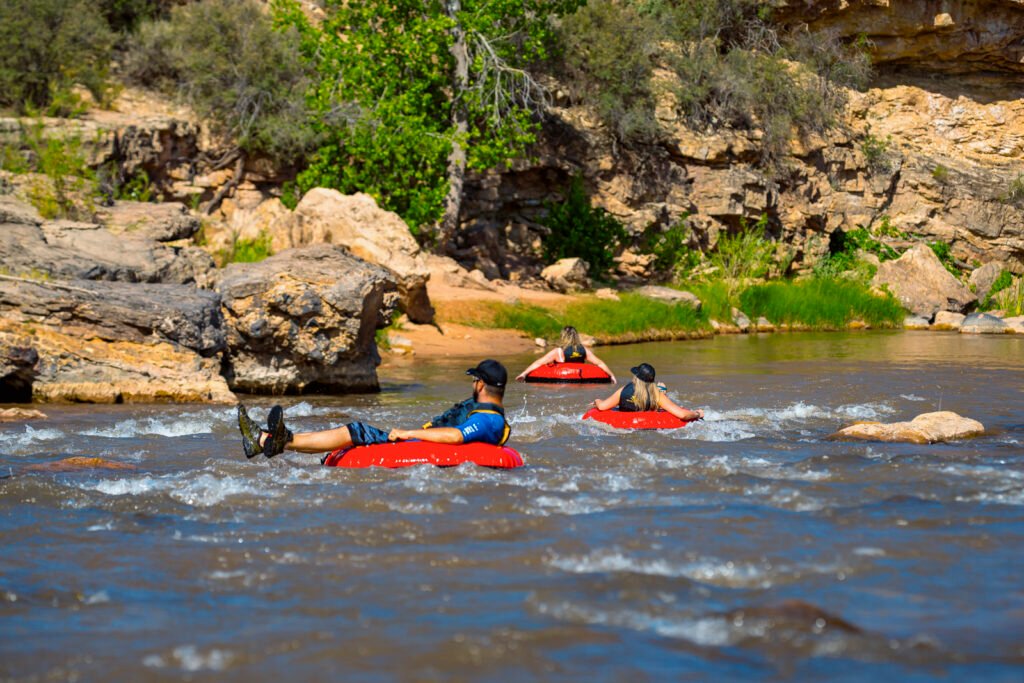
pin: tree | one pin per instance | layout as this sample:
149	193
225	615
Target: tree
412	93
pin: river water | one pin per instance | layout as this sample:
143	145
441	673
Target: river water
747	546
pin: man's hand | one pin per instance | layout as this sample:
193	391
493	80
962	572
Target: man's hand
398	435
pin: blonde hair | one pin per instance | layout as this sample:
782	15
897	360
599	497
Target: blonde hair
570	337
646	395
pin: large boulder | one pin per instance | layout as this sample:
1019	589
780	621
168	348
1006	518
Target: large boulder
367	231
114	342
983	278
926	428
983	323
304	320
62	249
922	285
17	369
567	275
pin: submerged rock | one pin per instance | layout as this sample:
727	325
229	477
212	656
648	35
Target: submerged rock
305	319
926	428
921	283
79	463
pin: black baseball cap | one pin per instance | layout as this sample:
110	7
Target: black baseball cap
491	372
643	372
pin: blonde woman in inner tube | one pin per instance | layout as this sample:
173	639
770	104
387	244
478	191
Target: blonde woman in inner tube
643	394
570	350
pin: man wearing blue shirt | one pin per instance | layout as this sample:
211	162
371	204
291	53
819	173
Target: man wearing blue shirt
480	418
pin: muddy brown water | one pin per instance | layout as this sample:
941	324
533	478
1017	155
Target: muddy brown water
744	547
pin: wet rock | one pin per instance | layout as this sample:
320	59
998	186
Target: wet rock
158	222
1015	324
305	319
793	614
926	428
921	283
944	320
113	342
983	323
567	275
741	320
763	325
367	231
669	295
983	278
17	369
540	342
20	414
915	322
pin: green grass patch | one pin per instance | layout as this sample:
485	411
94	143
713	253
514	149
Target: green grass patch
820	303
245	251
634	314
714	298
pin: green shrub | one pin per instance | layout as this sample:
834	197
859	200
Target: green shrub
1015	191
943	252
821	303
633	314
672	251
72	187
245	251
581	230
50	46
714	297
1011	298
1001	283
225	59
876	153
941	174
745	254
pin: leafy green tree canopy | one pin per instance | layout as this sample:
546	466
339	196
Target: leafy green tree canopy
403	83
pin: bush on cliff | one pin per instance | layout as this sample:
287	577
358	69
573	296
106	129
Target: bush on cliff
226	60
731	68
49	47
581	230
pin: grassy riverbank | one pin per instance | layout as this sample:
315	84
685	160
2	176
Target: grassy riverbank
818	304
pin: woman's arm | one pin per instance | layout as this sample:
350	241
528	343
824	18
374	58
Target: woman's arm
434	435
592	357
548	357
667	404
610	402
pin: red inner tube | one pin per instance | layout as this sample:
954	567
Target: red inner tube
645	419
410	453
569	373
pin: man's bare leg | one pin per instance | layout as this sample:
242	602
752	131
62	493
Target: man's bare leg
318	442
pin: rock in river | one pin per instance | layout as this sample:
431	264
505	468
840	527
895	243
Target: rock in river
925	428
305	319
113	342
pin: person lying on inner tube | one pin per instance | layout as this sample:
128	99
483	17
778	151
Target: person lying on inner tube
480	418
570	350
644	394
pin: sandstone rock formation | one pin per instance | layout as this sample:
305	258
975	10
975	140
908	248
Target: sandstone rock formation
113	342
926	428
304	320
945	320
922	285
158	222
31	246
567	275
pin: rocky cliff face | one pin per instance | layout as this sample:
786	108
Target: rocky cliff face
946	152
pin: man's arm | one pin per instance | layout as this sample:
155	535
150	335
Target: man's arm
434	435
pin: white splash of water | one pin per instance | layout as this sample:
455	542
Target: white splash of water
11	444
189	658
203	490
707	632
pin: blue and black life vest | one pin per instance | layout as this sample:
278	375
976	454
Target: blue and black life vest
575	353
460	412
626	404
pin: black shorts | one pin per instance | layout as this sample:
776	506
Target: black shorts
366	435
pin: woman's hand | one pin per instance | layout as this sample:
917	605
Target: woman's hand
521	377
